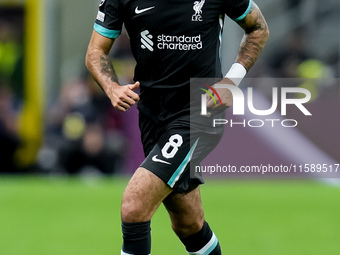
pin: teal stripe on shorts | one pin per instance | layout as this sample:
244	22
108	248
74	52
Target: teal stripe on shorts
174	178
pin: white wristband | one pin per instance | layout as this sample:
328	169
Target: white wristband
236	73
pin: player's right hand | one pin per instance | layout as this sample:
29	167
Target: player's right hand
123	97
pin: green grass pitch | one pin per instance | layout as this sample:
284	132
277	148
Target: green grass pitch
80	216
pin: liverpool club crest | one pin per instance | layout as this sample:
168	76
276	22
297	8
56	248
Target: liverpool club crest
198	10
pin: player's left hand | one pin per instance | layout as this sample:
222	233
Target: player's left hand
224	94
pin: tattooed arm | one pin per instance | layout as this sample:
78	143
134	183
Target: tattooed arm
100	66
255	38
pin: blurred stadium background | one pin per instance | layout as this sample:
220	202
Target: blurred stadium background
66	154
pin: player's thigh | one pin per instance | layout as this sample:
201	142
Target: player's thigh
142	196
185	211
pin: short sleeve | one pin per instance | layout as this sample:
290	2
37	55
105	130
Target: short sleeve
108	22
237	9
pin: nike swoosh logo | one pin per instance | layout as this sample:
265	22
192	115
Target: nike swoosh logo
137	11
155	159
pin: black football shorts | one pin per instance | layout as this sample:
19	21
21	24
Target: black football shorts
172	149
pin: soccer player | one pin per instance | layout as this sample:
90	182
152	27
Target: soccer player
172	41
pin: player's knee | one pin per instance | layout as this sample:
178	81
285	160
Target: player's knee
132	212
184	229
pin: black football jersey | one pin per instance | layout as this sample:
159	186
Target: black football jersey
172	41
